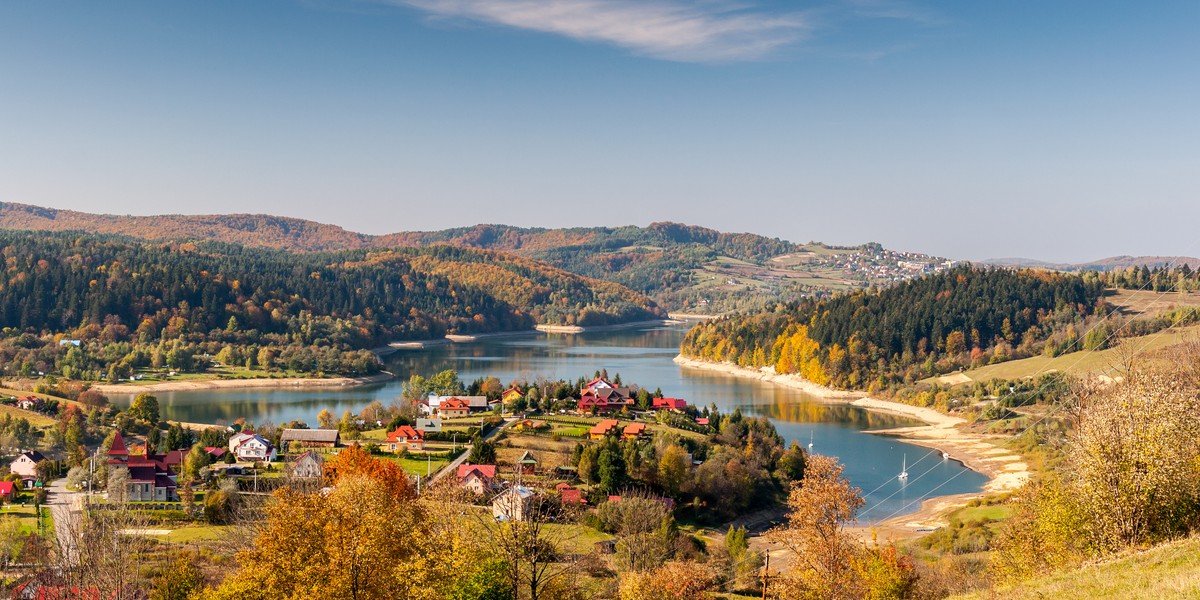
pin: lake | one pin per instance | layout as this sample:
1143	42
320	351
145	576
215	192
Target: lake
643	356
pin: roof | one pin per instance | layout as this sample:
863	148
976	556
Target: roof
34	455
669	403
311	455
118	446
328	436
603	427
145	472
488	471
454	404
520	491
428	424
702	421
572	496
635	429
6	488
406	432
599	381
215	451
527	458
174	457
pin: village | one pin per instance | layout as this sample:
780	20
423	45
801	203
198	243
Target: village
510	453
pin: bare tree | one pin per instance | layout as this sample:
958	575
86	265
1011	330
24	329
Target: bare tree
531	546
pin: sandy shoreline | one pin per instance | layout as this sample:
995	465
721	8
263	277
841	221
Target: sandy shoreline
212	384
617	327
1006	471
455	338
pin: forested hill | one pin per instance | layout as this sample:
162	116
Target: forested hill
682	267
909	331
67	282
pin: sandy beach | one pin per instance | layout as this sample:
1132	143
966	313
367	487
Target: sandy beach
1006	471
578	329
215	384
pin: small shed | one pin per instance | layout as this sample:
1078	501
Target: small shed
527	464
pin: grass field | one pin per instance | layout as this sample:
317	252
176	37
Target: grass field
1133	302
1167	571
1100	362
195	533
26	518
34	419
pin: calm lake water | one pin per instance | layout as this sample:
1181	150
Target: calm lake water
642	356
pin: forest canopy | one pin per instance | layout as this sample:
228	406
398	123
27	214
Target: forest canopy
914	329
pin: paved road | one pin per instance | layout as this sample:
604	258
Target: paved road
66	507
453	466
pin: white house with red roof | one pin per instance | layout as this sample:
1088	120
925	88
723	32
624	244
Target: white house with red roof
405	437
252	447
479	479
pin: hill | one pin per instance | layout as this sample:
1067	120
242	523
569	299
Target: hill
1167	571
1111	263
121	297
903	333
683	267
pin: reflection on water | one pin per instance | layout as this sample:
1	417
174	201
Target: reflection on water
641	356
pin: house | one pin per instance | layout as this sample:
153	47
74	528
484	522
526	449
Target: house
513	504
529	424
8	491
702	421
479	479
473	403
602	429
428	425
604	400
512	394
310	438
570	495
28	402
527	464
251	447
215	452
25	464
634	431
668	404
310	465
598	383
454	407
149	478
606	547
405	437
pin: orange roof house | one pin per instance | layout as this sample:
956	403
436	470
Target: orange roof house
634	431
454	407
603	428
405	436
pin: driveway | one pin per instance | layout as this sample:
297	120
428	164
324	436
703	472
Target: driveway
66	508
453	466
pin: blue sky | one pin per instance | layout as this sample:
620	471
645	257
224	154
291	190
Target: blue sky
1055	130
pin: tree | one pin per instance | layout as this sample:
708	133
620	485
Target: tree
483	452
611	466
644	528
673	469
820	506
144	408
675	580
178	580
93	399
325	419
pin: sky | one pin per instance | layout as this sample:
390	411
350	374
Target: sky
1063	131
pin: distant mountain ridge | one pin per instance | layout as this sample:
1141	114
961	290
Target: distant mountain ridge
683	267
1103	264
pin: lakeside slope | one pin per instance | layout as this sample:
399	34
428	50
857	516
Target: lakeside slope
1005	470
214	384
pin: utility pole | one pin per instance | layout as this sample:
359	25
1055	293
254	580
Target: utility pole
454	442
766	572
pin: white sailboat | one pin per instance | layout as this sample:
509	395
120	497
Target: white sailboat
810	440
903	476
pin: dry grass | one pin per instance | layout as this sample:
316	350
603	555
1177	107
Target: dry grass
1100	362
1132	302
1167	571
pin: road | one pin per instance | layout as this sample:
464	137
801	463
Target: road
453	466
66	508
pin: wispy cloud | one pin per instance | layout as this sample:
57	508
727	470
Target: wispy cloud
708	32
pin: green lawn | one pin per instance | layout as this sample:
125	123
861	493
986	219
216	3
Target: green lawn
574	537
27	519
995	512
418	466
1167	571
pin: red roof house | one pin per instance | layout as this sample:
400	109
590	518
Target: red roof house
7	490
603	428
405	436
454	407
634	431
668	404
